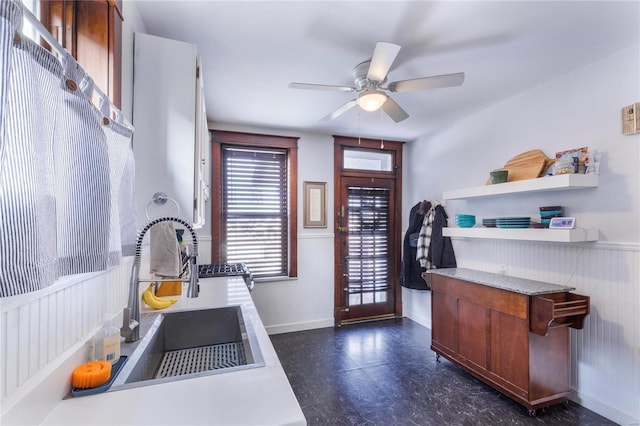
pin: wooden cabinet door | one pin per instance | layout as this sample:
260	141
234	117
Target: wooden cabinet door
549	364
473	332
444	314
99	45
91	30
510	350
92	40
115	54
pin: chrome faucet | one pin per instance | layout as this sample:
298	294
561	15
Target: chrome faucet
131	315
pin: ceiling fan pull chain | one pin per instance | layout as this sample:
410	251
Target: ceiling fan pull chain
359	128
381	128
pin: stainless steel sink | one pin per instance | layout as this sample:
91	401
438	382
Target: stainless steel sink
186	344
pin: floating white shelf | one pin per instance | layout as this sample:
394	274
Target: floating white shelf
530	234
547	183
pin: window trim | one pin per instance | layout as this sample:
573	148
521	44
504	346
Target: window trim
290	143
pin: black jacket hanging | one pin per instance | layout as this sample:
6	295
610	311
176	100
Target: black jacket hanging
411	276
441	254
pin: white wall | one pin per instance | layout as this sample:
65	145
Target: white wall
579	109
307	301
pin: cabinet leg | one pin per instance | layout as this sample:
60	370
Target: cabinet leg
532	412
437	357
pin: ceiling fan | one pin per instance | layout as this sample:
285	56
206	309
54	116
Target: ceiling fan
369	77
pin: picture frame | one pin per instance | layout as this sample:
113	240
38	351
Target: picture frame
314	200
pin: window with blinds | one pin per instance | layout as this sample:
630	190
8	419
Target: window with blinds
254	208
369	237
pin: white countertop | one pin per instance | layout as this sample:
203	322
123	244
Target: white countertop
256	396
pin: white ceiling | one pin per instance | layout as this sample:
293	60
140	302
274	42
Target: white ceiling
252	50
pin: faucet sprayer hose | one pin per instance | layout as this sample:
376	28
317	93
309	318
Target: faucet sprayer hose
138	249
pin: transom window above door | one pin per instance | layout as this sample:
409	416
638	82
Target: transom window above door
358	159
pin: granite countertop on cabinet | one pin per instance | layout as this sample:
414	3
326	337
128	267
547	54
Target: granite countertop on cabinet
504	282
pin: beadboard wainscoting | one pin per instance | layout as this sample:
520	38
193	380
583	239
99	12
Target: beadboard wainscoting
605	355
41	330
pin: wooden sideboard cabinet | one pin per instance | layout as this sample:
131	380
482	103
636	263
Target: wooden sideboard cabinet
509	332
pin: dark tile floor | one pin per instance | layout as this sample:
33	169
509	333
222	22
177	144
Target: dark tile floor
383	373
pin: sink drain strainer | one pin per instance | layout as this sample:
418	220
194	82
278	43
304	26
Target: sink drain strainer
203	358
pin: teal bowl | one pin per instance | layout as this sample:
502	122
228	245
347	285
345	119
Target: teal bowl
465	220
465	216
466	225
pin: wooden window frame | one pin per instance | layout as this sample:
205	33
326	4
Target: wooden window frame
290	143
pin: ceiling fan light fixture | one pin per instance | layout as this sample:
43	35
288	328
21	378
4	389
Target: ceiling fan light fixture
371	100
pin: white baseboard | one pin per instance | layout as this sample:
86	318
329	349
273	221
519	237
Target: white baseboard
299	326
420	319
604	410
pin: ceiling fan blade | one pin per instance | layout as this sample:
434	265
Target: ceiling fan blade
433	82
383	56
340	110
394	110
322	87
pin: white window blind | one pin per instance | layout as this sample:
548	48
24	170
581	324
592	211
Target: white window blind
255	216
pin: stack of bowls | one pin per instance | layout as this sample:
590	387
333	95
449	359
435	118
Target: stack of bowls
465	220
547	212
489	222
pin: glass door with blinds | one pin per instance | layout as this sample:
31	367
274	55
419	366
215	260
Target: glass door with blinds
366	248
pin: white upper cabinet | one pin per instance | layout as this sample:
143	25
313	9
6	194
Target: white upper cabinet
171	135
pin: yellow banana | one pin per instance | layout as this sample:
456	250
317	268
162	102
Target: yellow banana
149	298
159	299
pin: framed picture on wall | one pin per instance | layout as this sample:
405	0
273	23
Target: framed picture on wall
314	198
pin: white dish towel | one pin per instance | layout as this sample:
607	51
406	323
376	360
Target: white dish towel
165	251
